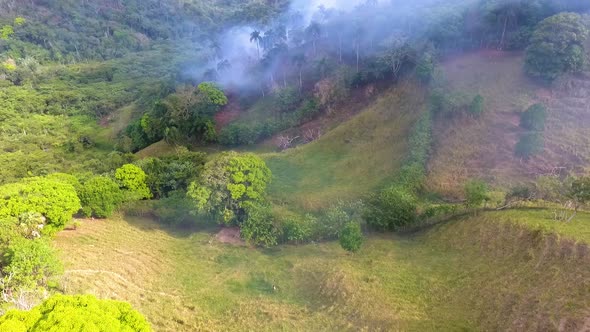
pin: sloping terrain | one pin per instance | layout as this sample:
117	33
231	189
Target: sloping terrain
496	271
352	159
484	148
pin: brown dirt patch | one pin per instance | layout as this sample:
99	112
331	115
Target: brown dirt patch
230	235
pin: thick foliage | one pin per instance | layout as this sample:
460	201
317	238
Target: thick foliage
259	227
351	237
171	173
557	47
476	193
56	200
29	264
227	183
132	180
391	209
534	118
100	197
529	144
76	313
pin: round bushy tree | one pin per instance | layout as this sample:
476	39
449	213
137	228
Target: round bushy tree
56	200
351	237
100	197
227	183
76	313
557	47
132	181
476	193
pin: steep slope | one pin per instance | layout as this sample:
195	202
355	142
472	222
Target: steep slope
485	148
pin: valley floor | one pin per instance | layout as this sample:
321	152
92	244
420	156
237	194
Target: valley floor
496	271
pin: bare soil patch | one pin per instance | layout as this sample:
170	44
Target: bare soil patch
230	235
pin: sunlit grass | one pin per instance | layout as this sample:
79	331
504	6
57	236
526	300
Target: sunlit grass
352	159
468	274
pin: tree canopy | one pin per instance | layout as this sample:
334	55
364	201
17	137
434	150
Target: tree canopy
76	313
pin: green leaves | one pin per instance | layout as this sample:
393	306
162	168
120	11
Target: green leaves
557	47
54	199
132	180
227	183
100	197
76	313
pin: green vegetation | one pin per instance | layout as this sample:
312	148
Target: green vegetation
100	197
82	312
132	180
351	237
228	184
557	47
358	135
534	118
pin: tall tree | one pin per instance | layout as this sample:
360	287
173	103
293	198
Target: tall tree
299	61
257	38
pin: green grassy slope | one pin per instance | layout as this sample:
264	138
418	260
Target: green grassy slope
352	159
475	273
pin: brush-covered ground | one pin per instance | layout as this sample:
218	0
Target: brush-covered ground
510	270
485	148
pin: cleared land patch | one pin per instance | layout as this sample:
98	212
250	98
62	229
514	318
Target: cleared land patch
465	274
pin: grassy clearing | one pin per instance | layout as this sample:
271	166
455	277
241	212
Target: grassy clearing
351	159
464	275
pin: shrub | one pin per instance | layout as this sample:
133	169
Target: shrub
557	47
425	67
132	180
100	197
258	227
171	173
477	106
335	218
76	313
476	193
175	209
29	264
530	144
351	237
391	209
534	117
298	229
56	200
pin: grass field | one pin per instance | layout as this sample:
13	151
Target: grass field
352	159
468	274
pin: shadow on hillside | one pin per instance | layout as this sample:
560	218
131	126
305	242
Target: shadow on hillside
149	223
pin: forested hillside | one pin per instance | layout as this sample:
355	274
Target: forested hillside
182	165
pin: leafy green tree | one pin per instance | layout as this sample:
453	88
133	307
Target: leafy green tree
100	197
529	144
579	193
132	181
476	193
29	264
227	183
76	313
212	94
534	117
557	47
391	209
56	200
351	237
477	106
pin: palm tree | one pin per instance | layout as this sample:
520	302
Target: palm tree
256	37
299	61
